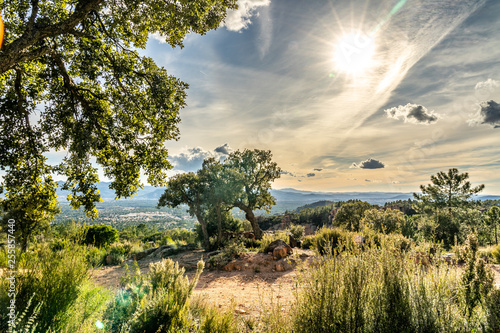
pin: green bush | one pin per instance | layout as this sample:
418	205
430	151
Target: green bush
100	235
228	253
308	242
211	319
496	254
382	290
326	240
95	256
297	231
52	280
166	309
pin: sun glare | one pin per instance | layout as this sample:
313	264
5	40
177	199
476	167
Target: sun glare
354	53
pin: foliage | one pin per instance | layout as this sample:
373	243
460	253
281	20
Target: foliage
212	319
297	231
87	309
53	280
477	280
493	219
256	172
100	235
77	66
350	215
378	289
496	254
268	238
166	307
95	256
326	240
448	190
385	221
228	253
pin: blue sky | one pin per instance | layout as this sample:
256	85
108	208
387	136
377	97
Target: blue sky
348	95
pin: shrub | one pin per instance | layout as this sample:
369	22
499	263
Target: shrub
496	254
297	231
228	253
166	308
52	281
269	238
308	242
95	256
326	240
382	290
384	221
58	245
100	235
211	319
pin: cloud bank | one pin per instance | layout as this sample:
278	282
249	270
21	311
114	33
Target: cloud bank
368	164
413	113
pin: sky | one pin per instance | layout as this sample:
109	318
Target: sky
348	95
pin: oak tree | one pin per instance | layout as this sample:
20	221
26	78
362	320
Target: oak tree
72	79
257	171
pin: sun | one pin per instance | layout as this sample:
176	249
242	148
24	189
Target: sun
354	53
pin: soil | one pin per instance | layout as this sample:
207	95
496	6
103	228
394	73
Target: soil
252	285
247	289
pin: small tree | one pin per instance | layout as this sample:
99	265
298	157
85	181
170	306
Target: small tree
385	221
350	215
190	189
100	235
448	190
256	171
492	219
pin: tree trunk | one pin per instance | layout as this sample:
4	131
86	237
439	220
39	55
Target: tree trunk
253	221
206	240
219	226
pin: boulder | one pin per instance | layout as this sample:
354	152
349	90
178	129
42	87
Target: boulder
280	252
143	254
292	241
275	244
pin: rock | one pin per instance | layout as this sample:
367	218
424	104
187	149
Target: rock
275	244
143	254
280	252
249	235
280	268
164	251
359	240
229	267
240	311
292	241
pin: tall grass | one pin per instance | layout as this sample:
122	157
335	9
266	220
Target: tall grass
382	289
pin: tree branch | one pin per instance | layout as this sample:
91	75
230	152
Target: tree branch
13	52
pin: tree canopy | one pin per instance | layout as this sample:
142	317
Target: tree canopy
72	79
451	189
243	180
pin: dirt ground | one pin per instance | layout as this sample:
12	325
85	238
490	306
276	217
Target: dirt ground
248	290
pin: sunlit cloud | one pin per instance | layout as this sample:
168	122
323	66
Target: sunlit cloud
191	159
240	18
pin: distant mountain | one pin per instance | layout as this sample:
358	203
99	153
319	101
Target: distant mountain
293	195
286	195
315	204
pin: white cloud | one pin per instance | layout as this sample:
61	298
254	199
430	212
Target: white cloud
240	18
486	90
191	159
